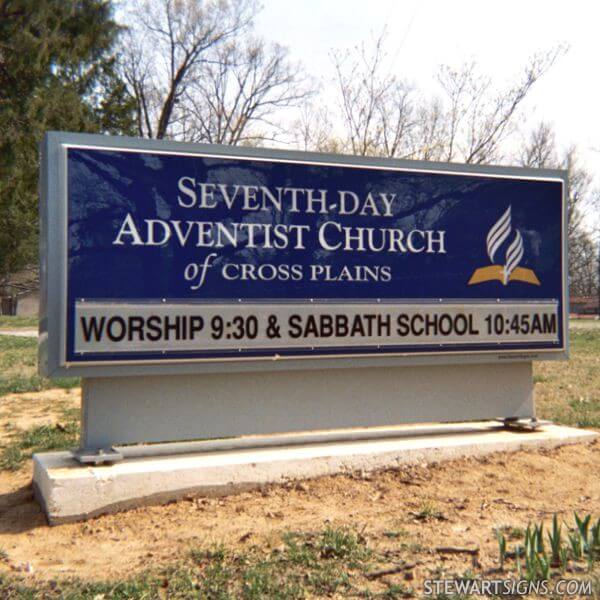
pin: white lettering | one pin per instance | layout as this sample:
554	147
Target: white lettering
207	199
323	240
128	228
440	241
151	229
344	197
188	191
387	200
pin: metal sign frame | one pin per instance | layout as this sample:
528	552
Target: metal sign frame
54	251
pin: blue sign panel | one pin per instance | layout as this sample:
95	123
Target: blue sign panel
213	254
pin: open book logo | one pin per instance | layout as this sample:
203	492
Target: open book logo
510	270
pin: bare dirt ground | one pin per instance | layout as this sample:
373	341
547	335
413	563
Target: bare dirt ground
452	503
24	411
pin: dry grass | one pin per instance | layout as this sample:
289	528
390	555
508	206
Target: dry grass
16	322
19	368
569	392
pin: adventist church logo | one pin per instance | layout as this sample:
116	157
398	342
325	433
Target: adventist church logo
510	270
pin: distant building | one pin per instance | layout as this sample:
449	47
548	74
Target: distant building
583	306
21	295
28	304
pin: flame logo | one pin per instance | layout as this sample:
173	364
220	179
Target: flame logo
498	233
514	254
510	270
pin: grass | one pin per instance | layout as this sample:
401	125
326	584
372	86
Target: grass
512	533
569	392
38	439
332	562
7	322
549	551
395	533
18	368
428	511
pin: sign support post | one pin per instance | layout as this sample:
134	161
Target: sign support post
289	401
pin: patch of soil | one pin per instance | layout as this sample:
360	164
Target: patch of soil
53	399
32	409
457	503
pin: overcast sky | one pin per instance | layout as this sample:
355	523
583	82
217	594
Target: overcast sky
499	35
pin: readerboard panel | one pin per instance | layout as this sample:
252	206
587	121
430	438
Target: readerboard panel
178	253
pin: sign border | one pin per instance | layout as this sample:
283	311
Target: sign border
53	261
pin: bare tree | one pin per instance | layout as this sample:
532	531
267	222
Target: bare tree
428	136
232	100
467	122
313	129
167	47
583	265
540	151
457	84
581	195
142	86
478	116
396	119
376	107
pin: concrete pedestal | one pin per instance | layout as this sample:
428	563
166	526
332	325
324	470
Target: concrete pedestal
69	491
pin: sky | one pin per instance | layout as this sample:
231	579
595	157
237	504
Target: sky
500	36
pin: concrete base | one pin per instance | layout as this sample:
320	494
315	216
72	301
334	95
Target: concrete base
69	491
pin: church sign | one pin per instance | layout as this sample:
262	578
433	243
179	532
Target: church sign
179	254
